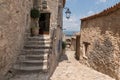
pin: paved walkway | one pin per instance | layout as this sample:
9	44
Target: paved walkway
33	76
70	69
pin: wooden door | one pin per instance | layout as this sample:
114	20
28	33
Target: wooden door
44	23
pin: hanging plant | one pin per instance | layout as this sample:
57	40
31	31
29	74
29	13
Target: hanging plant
35	13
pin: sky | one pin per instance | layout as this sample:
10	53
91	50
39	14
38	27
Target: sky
83	8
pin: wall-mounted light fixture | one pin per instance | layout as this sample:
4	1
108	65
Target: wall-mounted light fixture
44	4
67	12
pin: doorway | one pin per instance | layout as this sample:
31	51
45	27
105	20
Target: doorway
44	23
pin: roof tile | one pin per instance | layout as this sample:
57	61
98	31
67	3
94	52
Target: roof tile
104	12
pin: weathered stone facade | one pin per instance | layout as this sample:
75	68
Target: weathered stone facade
100	41
55	7
73	43
14	21
77	53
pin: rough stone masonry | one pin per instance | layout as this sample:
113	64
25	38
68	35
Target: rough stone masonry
100	41
14	21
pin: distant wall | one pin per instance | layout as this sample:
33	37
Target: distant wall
14	21
77	53
73	44
100	44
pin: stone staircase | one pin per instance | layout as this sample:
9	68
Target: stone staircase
34	57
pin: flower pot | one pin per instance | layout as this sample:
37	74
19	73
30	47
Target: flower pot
34	31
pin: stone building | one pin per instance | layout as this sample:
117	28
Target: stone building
68	41
77	50
74	41
15	39
100	41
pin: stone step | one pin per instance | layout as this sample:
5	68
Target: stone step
33	56
38	38
36	45
31	68
47	46
37	57
38	42
35	51
34	64
34	61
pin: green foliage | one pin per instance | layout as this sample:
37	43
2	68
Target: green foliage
63	45
35	13
34	27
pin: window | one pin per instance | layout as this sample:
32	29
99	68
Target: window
85	49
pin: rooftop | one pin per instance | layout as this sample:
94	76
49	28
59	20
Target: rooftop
104	12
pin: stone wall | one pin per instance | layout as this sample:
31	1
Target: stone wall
14	21
77	53
55	7
100	44
73	44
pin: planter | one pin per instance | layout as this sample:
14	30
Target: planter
35	14
34	31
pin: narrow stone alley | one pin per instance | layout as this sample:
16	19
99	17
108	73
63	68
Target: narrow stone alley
70	69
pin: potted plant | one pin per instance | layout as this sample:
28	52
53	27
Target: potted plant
35	14
34	31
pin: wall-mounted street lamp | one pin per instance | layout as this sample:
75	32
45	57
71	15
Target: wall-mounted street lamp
44	4
68	13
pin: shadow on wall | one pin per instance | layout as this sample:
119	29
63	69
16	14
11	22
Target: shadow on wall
102	58
63	57
76	56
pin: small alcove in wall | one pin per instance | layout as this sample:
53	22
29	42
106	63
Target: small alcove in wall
85	49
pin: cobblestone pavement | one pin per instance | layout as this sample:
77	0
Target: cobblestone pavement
34	76
70	69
